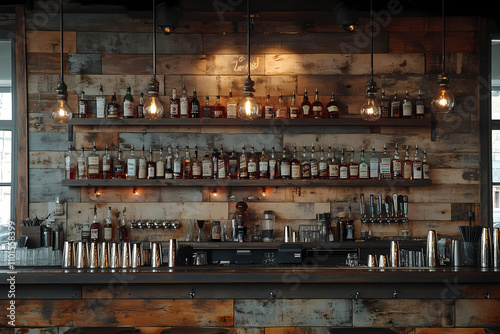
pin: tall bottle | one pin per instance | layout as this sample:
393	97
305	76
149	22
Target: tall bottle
140	106
123	231
323	164
177	164
151	166
195	105
419	106
294	108
107	164
314	164
253	165
417	165
273	165
119	166
160	165
305	164
142	169
268	108
353	167
233	165
94	165
70	164
425	167
305	106
407	106
385	106
184	104
231	106
95	228
128	105
132	165
263	165
186	164
285	166
206	167
108	227
82	165
397	171
281	110
363	166
215	158
385	165
100	102
175	104
169	164
243	165
295	165
333	165
407	168
374	165
82	106
219	110
317	106
333	108
344	167
395	106
222	165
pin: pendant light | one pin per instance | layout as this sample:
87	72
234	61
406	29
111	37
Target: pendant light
370	111
248	108
443	101
153	107
61	111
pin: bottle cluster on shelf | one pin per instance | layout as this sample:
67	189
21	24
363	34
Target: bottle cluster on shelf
97	232
184	106
246	164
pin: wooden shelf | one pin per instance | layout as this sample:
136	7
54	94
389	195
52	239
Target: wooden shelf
405	122
245	183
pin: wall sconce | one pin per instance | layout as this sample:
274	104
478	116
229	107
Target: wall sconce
214	192
134	191
263	191
96	192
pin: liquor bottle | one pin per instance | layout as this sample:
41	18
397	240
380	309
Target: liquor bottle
169	164
363	166
253	165
281	110
243	165
317	107
285	167
333	165
374	165
123	229
425	167
295	165
322	165
70	164
222	165
343	167
142	169
174	104
94	165
353	167
395	106
82	165
86	232
407	166
140	106
333	108
195	105
196	165
268	108
294	108
207	109
305	107
108	227
385	106
160	165
132	165
314	164
419	106
385	165
233	165
219	111
263	165
184	104
215	158
100	102
151	166
206	167
128	105
407	106
107	164
119	166
273	164
186	164
397	172
177	164
231	106
113	107
417	165
305	164
82	106
95	228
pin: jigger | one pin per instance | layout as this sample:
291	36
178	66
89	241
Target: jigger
93	255
104	255
68	259
432	252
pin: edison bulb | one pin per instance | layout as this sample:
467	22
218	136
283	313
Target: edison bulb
370	111
154	108
248	109
62	112
443	101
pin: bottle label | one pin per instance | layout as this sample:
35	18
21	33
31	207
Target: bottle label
195	111
305	110
151	172
252	167
82	168
128	109
343	172
207	169
177	166
142	169
197	170
272	169
268	112
131	167
333	109
263	166
100	107
363	171
221	169
353	170
184	106
233	167
373	168
385	166
93	169
407	109
285	169
426	172
407	171
243	162
417	170
108	233
169	175
231	110
94	234
294	112
323	167
106	165
396	168
119	169
295	171
93	160
160	168
174	109
314	169
317	109
280	112
333	170
420	109
81	108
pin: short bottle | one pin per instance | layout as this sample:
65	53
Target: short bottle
333	108
231	106
219	111
175	104
385	106
195	106
294	108
82	106
268	108
128	104
317	107
207	110
407	107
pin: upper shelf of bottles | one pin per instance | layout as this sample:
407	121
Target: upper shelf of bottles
406	122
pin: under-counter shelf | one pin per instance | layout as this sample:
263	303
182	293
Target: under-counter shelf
244	183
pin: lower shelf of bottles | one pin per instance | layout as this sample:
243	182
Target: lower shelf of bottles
245	183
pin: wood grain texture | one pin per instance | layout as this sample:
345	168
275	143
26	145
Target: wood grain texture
134	64
49	41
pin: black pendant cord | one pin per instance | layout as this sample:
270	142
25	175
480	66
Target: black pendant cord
371	33
62	40
248	36
154	40
443	37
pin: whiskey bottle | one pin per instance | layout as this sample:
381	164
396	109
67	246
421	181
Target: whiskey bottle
128	105
323	164
100	102
195	106
233	165
285	167
419	106
132	165
385	106
333	108
343	167
175	104
273	164
294	108
231	106
397	171
140	106
385	165
123	229
113	107
305	106
186	164
82	106
295	165
317	106
184	104
215	158
268	108
160	165
196	165
407	106
263	165
281	110
407	169
222	165
207	110
94	164
142	170
95	228
425	167
70	164
333	165
243	165
119	166
363	166
151	166
108	227
107	164
219	109
253	165
177	164
395	106
353	167
82	165
305	164
374	165
417	165
206	167
314	164
169	164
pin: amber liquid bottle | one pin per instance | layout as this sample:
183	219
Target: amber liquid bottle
333	108
253	165
82	106
95	228
305	107
151	166
119	166
317	107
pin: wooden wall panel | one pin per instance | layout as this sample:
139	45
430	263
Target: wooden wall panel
49	41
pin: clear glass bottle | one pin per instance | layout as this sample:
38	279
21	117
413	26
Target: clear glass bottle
160	165
231	106
273	164
281	110
142	169
128	104
100	102
169	164
253	165
108	227
295	165
333	108
305	164
82	165
305	107
132	165
123	231
294	108
425	167
317	107
322	164
186	164
194	106
177	164
314	164
353	166
343	167
119	166
94	164
374	165
175	104
417	165
243	165
363	166
95	228
151	166
407	106
385	165
107	164
397	170
184	104
263	165
70	163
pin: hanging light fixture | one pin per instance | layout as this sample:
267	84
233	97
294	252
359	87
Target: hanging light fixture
370	111
61	111
443	100
248	108
154	107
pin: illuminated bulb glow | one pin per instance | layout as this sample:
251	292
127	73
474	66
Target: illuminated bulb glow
443	101
248	108
153	109
370	111
62	112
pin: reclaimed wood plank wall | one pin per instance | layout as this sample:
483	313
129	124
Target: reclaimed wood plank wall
115	50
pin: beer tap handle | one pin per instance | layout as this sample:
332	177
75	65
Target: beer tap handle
395	204
372	206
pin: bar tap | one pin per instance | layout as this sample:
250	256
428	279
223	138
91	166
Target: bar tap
372	209
362	208
379	209
405	209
